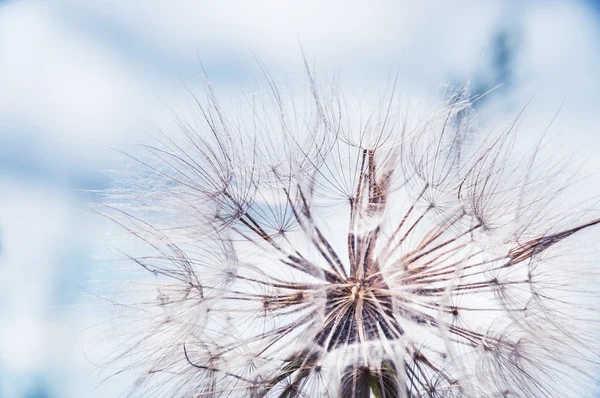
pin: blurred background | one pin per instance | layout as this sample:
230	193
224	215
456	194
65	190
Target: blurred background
78	78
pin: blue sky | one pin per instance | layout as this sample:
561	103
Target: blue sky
79	78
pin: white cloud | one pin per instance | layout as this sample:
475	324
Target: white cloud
68	92
43	232
34	227
421	37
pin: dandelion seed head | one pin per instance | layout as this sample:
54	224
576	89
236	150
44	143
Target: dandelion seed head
306	247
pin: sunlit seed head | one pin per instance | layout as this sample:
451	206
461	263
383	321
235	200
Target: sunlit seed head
324	251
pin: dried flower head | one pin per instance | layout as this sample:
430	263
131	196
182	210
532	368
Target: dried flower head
313	248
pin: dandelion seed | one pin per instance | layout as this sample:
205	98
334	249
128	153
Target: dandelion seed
317	250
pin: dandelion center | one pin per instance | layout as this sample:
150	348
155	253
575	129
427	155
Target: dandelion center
358	311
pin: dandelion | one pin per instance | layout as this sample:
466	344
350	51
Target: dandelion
312	248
